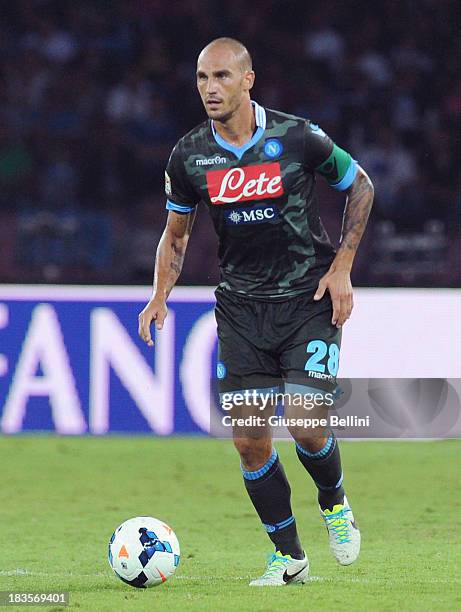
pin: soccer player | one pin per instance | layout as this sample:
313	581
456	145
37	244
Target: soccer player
284	293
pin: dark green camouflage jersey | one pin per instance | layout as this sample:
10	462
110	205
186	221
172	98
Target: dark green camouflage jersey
272	244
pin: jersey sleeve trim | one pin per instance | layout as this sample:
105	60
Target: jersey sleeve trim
348	178
179	208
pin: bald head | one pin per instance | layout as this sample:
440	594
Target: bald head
239	51
225	78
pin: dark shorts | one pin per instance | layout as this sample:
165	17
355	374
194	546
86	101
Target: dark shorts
270	345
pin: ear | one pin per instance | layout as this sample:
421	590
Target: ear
248	80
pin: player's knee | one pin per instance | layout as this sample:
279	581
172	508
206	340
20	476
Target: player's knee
253	452
312	443
310	438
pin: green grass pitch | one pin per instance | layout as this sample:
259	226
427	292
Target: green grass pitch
61	498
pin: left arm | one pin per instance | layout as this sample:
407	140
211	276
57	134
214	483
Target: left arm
337	280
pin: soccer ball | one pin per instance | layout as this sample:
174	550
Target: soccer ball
144	552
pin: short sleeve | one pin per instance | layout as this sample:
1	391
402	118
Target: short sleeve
180	194
323	156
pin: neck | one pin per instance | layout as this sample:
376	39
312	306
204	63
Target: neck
239	128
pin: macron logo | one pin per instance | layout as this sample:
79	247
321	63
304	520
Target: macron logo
248	183
210	161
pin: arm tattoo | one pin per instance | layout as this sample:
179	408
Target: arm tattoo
356	212
171	252
178	250
178	259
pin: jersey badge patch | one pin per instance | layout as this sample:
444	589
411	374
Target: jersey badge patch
273	148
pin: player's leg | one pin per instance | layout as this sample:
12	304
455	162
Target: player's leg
268	488
244	365
270	493
318	449
310	363
319	454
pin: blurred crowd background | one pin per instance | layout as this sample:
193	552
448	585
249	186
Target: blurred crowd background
94	94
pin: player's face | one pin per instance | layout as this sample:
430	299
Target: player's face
222	83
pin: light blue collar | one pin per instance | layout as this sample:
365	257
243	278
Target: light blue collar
260	117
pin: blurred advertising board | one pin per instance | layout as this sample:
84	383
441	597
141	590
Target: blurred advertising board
71	361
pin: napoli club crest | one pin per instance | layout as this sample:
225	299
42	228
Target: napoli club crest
273	148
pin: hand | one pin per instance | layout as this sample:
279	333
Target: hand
155	310
338	283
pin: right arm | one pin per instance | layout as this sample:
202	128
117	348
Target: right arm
168	265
